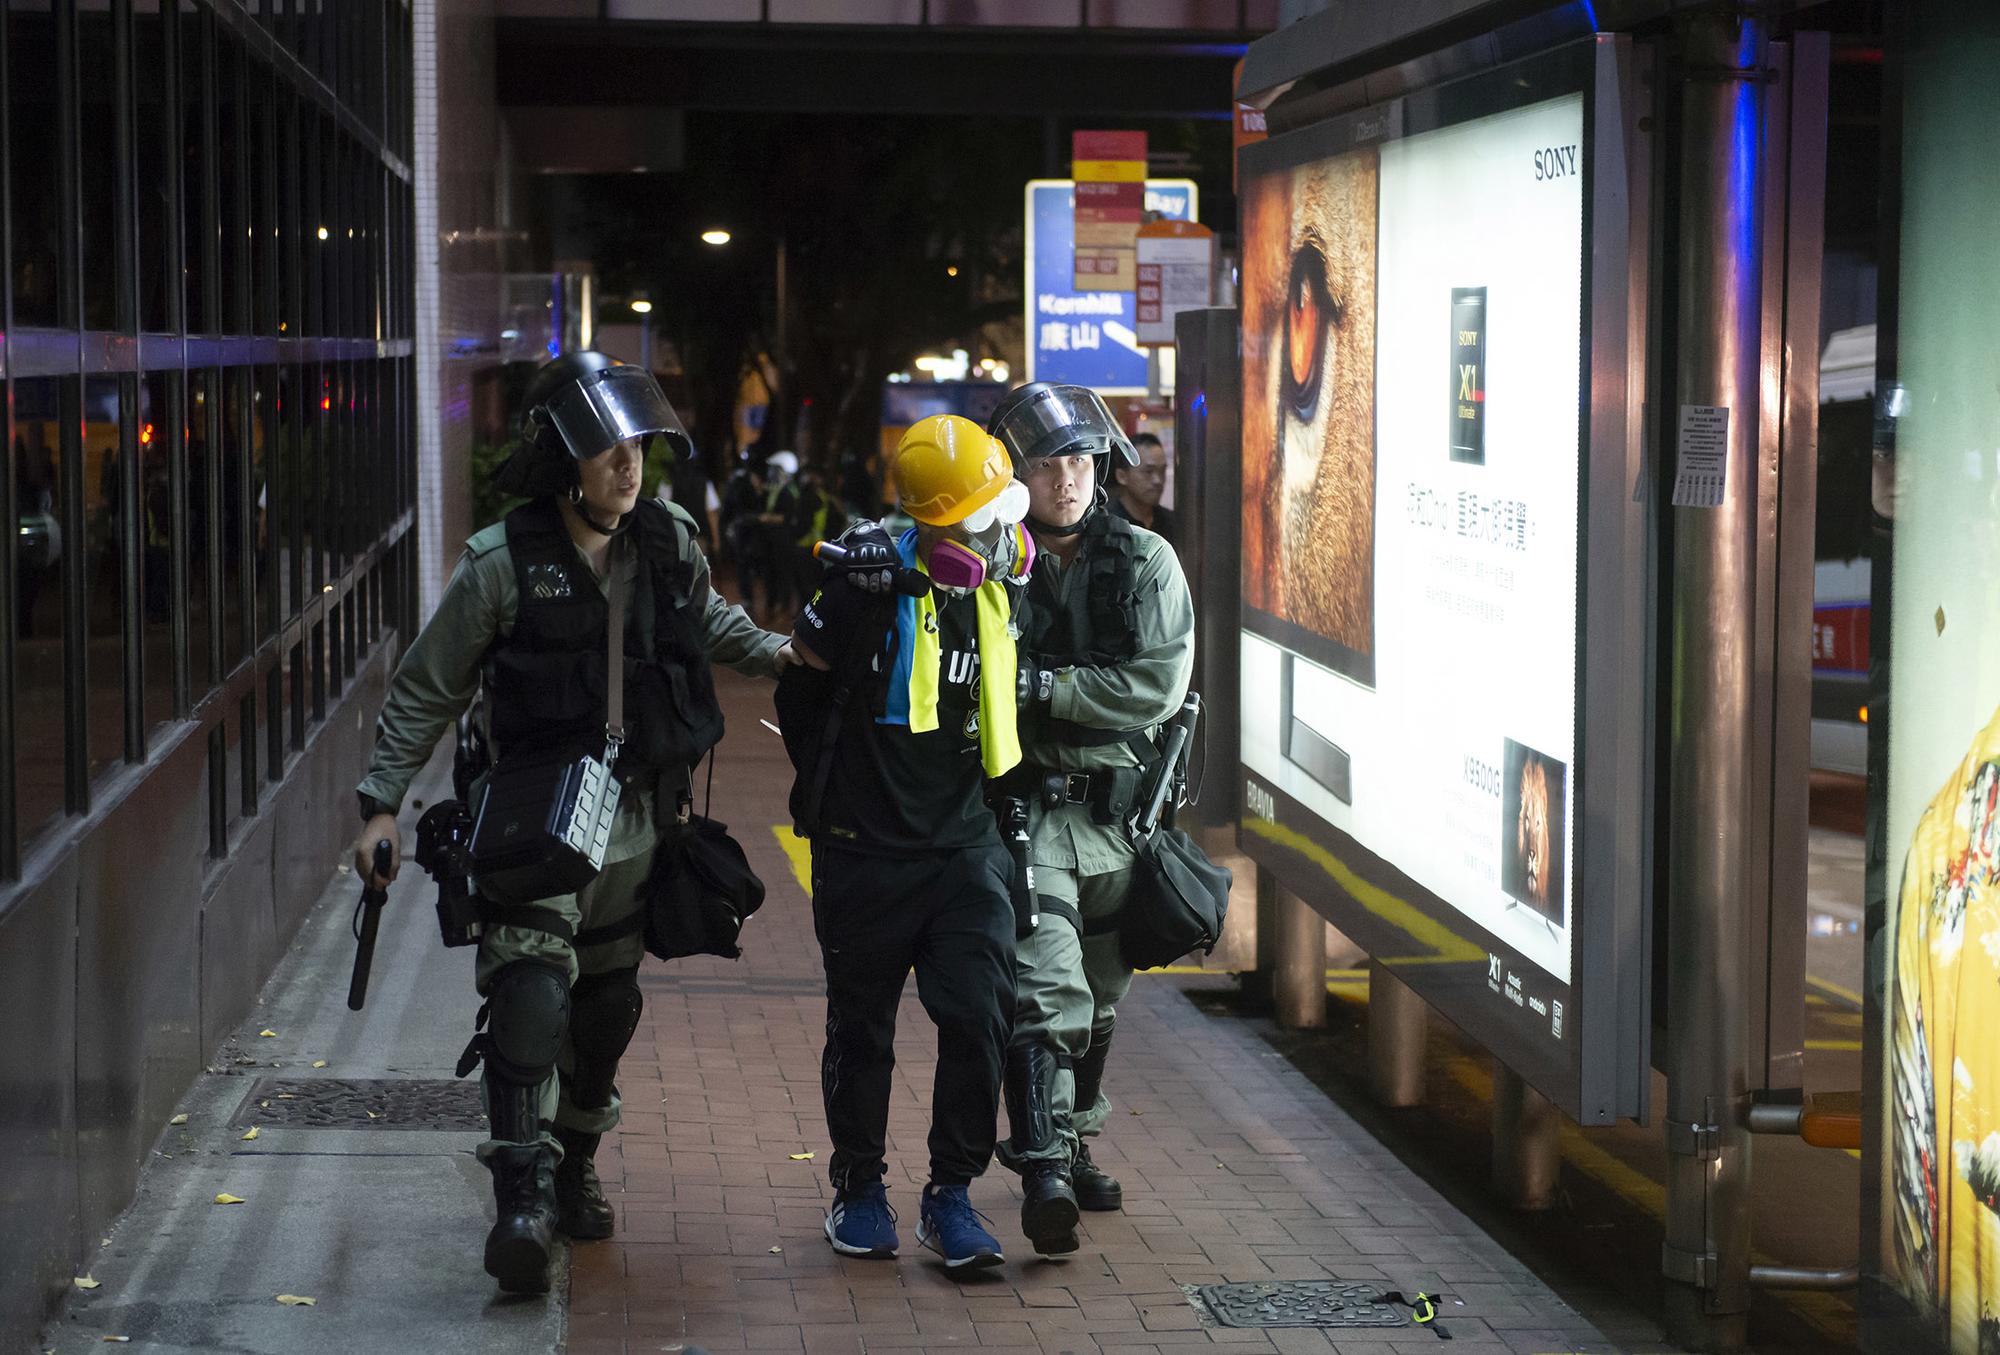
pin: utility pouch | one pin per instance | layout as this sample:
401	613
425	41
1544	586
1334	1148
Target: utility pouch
545	820
443	836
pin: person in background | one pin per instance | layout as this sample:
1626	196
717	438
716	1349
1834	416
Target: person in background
777	533
1137	489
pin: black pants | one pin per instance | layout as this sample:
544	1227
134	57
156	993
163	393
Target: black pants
947	914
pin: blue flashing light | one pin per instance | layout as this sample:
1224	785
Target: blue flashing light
1199	405
1590	13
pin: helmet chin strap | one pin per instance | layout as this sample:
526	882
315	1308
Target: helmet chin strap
576	506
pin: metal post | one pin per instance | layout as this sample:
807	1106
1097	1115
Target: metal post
1706	1255
1527	1142
1256	983
1397	1022
1298	987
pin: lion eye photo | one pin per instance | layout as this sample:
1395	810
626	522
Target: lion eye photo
1309	317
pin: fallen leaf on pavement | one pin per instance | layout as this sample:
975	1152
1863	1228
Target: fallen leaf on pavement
319	1063
777	1251
267	1034
85	1282
298	1301
250	1134
802	1157
178	1119
227	1198
116	1340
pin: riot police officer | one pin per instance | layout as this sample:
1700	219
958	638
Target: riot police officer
525	616
1108	650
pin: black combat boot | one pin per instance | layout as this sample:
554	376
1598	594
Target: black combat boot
581	1209
1048	1204
517	1250
1094	1189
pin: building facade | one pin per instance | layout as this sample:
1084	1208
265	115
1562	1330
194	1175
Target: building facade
219	410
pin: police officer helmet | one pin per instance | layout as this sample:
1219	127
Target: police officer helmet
579	406
1042	419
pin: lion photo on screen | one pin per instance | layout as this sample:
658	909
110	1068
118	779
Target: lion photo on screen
1309	396
1531	832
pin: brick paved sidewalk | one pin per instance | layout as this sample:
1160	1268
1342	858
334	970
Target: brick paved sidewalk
1235	1168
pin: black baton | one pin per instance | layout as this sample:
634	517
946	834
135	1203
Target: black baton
369	918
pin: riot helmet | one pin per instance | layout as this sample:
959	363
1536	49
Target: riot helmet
580	406
1041	420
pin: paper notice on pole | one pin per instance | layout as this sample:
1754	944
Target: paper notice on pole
1701	478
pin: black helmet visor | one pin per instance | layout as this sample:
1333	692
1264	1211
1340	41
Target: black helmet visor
607	407
1062	420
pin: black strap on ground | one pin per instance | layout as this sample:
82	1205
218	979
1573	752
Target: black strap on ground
1423	1309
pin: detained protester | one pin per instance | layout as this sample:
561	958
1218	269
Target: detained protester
528	616
905	710
1136	489
1105	660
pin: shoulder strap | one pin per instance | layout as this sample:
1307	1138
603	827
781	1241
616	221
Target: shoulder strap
614	660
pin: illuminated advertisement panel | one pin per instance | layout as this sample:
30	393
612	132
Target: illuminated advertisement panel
1416	377
1934	973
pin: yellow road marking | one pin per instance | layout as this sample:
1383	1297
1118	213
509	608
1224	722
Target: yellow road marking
1448	946
1835	1046
799	852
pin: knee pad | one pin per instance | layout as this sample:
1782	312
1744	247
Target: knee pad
528	1011
604	1013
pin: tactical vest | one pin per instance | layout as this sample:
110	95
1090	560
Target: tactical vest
1099	626
545	682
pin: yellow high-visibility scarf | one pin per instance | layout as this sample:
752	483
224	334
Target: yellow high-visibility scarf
999	736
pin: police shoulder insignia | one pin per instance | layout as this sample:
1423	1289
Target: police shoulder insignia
548	582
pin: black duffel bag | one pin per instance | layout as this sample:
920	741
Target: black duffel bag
700	891
1177	902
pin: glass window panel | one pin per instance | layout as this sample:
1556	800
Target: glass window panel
263	202
158	152
270	555
290	262
201	442
232	187
36	206
287	466
157	398
98	165
38	654
312	222
196	231
103	531
238	506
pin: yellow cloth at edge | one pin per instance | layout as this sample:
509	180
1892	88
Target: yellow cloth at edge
999	739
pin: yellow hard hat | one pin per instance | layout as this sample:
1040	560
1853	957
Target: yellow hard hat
948	467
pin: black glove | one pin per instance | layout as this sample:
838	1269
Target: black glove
1033	684
870	560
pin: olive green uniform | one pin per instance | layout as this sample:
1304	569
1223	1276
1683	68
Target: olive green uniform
1069	984
435	682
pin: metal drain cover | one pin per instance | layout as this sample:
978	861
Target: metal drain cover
1301	1303
363	1103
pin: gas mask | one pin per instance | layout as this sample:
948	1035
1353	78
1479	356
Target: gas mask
995	545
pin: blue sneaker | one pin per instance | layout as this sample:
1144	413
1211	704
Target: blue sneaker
949	1226
861	1223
